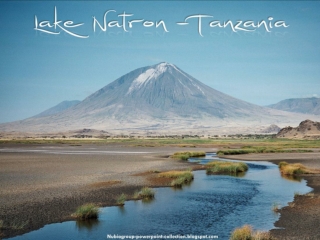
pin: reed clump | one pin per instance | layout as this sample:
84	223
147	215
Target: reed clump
179	177
226	167
294	169
87	211
121	199
246	233
186	155
145	193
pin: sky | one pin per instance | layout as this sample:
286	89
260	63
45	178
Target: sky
39	69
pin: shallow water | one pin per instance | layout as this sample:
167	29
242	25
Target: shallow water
210	205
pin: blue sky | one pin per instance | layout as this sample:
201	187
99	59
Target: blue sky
39	70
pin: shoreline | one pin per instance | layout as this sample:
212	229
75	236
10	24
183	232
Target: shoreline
302	212
300	219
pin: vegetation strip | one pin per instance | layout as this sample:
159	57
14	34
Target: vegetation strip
187	155
249	149
235	141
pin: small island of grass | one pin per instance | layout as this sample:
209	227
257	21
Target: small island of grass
145	193
218	167
187	155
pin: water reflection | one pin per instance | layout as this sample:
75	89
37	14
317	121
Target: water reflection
147	200
122	210
293	178
87	225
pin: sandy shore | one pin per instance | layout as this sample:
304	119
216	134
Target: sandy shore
43	184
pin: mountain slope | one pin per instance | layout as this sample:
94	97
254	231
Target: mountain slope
300	105
158	98
58	108
162	90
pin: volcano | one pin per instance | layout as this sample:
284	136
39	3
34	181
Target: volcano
161	91
160	97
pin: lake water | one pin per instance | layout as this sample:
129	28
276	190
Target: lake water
211	205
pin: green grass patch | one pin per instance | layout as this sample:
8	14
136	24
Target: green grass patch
179	177
294	169
86	211
217	167
121	199
187	155
246	233
145	193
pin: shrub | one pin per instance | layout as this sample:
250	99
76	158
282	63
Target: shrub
226	167
87	211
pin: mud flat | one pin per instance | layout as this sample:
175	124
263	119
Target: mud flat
299	220
43	184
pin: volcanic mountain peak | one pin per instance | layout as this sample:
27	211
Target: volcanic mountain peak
162	71
152	73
